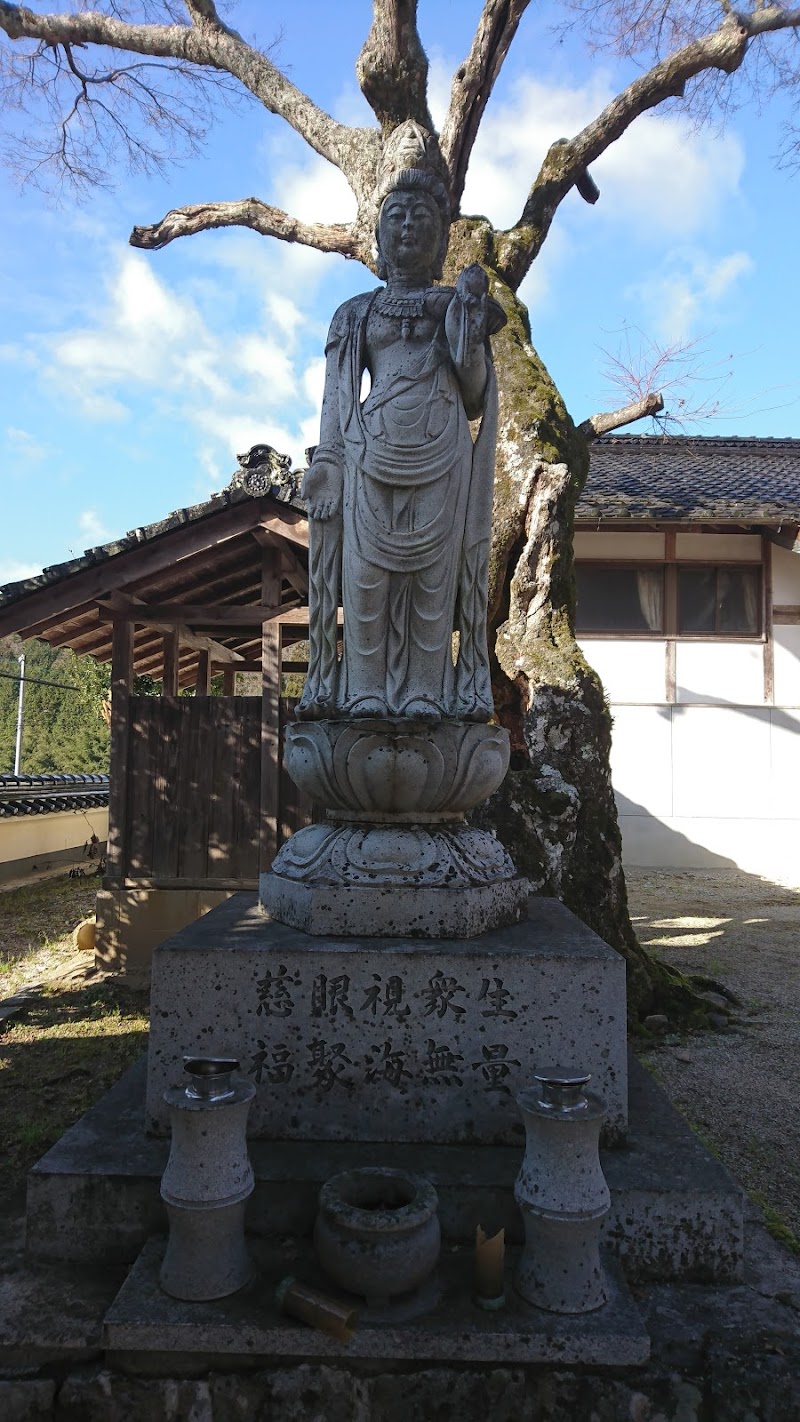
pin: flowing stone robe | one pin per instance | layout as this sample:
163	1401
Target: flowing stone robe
409	551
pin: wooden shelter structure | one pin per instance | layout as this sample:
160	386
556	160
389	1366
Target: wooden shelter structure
198	803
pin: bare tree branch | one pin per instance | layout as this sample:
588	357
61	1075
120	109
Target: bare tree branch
248	212
722	50
597	425
207	43
473	82
392	67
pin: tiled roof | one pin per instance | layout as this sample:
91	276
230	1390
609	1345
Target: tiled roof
678	477
43	794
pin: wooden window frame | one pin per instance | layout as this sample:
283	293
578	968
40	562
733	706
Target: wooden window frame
671	566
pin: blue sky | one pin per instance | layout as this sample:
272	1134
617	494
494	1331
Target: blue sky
129	380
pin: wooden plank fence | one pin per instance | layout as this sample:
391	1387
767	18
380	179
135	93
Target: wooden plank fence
192	802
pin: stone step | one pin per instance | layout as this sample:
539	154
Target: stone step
676	1213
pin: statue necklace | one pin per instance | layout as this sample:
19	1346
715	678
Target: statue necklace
407	308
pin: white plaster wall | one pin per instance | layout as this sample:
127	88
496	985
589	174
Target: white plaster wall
641	760
709	787
27	835
720	672
786	654
719	547
619	545
630	670
785	576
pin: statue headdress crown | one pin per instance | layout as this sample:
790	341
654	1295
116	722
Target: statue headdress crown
412	160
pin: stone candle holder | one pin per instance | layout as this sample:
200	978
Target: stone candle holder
207	1182
562	1194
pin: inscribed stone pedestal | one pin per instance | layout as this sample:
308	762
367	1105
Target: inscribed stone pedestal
389	1040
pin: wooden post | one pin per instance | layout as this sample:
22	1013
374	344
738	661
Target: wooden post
203	682
767	629
121	683
229	681
270	710
171	661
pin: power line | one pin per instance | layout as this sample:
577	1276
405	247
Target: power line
40	681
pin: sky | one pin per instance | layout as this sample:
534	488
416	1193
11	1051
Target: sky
130	381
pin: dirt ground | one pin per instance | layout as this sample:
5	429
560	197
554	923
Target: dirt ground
739	1088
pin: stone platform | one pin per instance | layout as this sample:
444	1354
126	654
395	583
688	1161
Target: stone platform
389	1040
143	1320
675	1211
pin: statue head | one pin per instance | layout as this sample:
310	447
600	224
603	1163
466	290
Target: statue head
412	169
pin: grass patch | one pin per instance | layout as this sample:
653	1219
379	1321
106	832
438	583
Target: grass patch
74	1038
776	1224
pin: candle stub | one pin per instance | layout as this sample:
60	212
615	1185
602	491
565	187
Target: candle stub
330	1315
490	1268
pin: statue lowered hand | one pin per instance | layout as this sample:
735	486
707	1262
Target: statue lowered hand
322	488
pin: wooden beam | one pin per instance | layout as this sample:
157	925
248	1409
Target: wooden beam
182	614
244	667
786	614
227	885
124	606
121	683
202	683
146	559
290	525
294	572
786	536
270	712
298	617
171	654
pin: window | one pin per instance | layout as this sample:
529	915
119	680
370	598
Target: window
669	600
719	601
619	599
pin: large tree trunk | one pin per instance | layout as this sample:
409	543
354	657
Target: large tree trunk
556	812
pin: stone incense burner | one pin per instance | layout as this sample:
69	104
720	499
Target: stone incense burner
377	1232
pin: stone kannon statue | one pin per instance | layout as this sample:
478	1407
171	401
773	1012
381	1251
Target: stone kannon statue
393	733
399	497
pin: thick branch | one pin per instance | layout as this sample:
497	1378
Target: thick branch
206	11
473	82
209	44
392	67
597	425
724	50
249	212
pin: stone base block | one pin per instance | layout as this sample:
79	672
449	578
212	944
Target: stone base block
143	1319
390	1040
132	922
359	911
675	1211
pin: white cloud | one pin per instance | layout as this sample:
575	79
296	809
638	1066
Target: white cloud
662	174
92	527
238	380
25	446
13	572
689	293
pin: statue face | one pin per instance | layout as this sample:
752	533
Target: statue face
409	231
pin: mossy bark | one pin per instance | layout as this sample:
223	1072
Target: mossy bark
556	812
